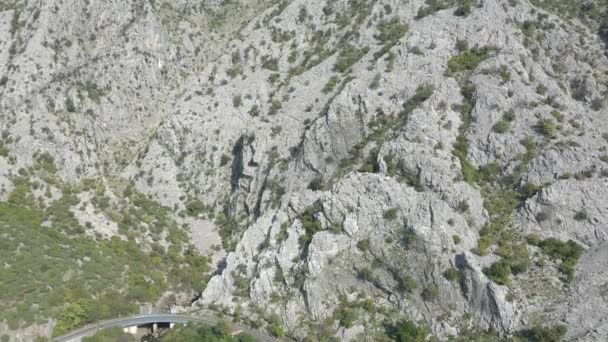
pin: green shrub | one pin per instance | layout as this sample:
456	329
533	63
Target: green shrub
363	245
346	315
452	274
406	331
391	167
331	84
581	215
408	237
316	184
348	57
275	106
109	335
433	6
463	206
337	227
430	293
488	173
505	74
514	251
271	64
416	50
274	77
509	116
195	207
541	89
529	190
234	71
390	61
546	127
541	216
469	172
224	159
391	214
227	229
302	15
365	274
530	145
462	45
3	149
534	239
574	124
236	101
568	252
468	60
413	179
203	332
310	223
423	93
483	244
407	283
276	326
46	162
389	34
501	127
283	233
543	334
254	110
558	115
375	84
499	272
391	31
69	105
464	8
597	103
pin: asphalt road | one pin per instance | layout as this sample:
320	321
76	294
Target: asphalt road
129	321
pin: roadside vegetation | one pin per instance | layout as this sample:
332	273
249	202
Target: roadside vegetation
193	332
202	332
54	267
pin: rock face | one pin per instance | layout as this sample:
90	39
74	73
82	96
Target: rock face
374	156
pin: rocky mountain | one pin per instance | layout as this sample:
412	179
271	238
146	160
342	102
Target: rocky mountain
319	168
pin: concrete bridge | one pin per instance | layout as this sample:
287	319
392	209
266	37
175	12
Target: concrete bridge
152	321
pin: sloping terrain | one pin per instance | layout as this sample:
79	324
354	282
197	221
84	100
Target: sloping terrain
340	165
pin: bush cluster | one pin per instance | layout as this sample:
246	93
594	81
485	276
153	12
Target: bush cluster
202	332
468	60
405	330
568	252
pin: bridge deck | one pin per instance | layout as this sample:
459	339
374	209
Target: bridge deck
130	321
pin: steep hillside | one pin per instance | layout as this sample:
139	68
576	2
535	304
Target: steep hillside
320	168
